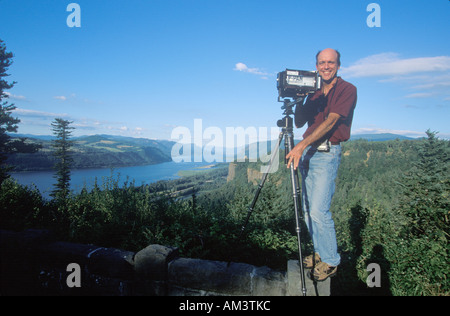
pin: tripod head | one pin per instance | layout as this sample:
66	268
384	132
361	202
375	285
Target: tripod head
288	109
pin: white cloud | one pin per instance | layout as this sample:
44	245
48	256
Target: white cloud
72	97
419	95
425	77
434	82
39	123
38	114
15	97
243	67
390	64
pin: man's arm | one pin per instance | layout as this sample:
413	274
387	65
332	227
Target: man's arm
297	152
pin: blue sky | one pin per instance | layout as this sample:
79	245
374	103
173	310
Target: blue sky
143	67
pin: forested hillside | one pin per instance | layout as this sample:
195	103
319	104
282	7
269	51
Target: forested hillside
97	151
391	207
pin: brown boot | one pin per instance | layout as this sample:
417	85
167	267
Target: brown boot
322	272
308	261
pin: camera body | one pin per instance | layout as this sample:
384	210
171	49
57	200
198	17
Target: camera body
296	83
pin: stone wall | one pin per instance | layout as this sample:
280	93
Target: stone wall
34	263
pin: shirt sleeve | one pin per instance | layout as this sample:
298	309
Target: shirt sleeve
344	101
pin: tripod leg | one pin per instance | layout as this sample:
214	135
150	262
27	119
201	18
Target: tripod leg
297	207
261	184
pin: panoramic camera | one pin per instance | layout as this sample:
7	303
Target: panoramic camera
297	83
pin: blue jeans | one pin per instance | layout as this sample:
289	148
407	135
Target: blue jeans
319	171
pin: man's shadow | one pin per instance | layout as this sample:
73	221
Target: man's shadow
347	281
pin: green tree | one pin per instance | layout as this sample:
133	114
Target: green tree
423	253
8	123
62	144
428	191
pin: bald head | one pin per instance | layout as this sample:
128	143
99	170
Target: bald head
328	62
329	52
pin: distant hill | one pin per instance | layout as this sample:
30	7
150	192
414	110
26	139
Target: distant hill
379	137
369	137
109	151
96	151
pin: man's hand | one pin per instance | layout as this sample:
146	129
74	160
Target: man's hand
297	152
295	155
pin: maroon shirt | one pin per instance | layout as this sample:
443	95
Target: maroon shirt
341	99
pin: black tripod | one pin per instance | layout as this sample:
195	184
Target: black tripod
287	132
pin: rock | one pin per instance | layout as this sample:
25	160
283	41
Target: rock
152	261
231	171
111	262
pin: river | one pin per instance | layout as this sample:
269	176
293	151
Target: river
44	180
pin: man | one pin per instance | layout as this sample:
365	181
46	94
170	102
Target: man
329	114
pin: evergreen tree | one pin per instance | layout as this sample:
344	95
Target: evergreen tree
428	191
62	144
423	256
8	123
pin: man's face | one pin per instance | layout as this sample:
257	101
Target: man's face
327	65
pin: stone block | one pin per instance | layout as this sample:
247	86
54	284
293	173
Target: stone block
111	262
268	282
152	261
294	286
211	276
